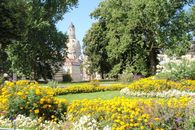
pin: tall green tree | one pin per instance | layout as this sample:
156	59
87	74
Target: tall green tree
41	52
13	21
95	48
138	30
13	27
192	18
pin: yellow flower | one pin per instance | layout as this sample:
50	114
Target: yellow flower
131	124
20	93
36	111
37	92
145	120
48	100
42	100
157	119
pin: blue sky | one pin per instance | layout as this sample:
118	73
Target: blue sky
79	17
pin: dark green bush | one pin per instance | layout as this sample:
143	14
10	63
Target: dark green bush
67	78
1	80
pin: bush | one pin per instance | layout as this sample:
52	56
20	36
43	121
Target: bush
29	99
178	71
1	80
126	77
53	84
67	78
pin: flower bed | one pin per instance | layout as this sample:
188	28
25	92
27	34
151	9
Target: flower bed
159	85
87	88
122	113
24	99
29	99
163	94
23	122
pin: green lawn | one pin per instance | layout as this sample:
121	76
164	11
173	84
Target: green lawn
102	95
102	82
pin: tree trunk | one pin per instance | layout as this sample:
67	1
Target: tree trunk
102	75
153	61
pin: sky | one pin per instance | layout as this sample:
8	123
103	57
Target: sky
79	17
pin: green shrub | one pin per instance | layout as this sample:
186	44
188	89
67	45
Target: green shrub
178	71
126	77
190	124
53	84
1	80
67	78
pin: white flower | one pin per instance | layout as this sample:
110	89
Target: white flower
107	128
124	91
163	94
86	123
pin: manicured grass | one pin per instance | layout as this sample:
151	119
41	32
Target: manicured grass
95	95
102	82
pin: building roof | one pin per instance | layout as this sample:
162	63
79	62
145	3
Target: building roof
71	25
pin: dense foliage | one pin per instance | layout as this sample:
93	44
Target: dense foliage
95	44
131	33
30	41
192	18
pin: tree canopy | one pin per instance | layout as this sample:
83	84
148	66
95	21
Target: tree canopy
136	31
192	18
30	40
95	48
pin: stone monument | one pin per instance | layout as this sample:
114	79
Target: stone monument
73	61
